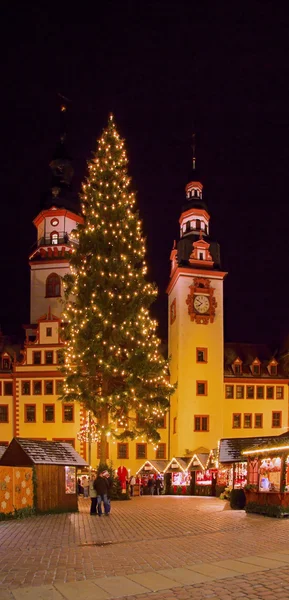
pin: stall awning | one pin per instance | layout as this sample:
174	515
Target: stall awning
158	466
272	446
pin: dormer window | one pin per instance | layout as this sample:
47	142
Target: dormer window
272	367
255	367
237	366
5	364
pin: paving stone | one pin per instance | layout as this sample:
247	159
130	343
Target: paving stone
5	594
184	576
239	567
262	562
154	581
281	556
86	590
212	571
120	586
42	592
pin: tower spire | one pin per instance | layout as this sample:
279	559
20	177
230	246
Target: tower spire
194	151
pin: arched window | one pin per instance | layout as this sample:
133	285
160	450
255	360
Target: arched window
52	285
54	238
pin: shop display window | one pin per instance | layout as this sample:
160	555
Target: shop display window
240	474
181	478
70	480
270	474
204	477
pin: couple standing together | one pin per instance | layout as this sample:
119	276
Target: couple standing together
99	489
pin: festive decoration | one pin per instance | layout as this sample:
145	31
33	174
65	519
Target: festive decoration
112	360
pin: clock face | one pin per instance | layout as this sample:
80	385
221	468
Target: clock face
201	304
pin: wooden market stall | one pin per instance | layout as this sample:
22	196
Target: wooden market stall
151	468
203	471
176	476
268	472
54	465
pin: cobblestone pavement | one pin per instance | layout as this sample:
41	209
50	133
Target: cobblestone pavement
183	547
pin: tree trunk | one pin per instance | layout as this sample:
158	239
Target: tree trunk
103	439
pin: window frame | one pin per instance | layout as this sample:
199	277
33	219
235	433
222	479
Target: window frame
281	390
270	387
247	395
244	421
201	417
45	357
205	384
173	311
51	286
243	392
227	386
205	353
239	415
45	390
57	383
141	445
23	383
120	457
276	412
44	407
39	381
48	331
260	387
258	426
26	406
5	387
66	405
164	447
7	407
34	353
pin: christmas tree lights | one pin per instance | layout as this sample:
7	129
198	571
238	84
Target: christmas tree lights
112	360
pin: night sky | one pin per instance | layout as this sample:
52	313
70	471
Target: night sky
219	69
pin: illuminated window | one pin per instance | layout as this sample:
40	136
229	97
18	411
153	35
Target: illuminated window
54	238
37	388
280	392
260	392
30	413
48	387
202	388
201	422
161	451
26	388
48	413
141	451
122	450
276	419
53	285
229	391
258	421
270	392
240	392
250	391
247	421
67	413
36	357
236	420
202	355
4	418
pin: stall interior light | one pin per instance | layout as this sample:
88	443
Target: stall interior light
261	450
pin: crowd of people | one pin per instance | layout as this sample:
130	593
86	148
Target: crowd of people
98	488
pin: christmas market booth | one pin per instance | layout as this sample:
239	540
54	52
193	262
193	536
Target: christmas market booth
53	466
150	469
202	467
177	478
268	473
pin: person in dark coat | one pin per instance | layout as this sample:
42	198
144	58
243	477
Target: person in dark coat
109	481
101	487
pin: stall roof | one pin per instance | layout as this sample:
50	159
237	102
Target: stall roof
230	449
2	450
41	453
181	462
198	458
156	465
273	444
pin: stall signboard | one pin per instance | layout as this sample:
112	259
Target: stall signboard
204	477
181	478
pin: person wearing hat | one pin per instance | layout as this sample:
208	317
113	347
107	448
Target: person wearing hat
101	488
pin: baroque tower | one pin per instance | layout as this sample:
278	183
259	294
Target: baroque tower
196	339
49	260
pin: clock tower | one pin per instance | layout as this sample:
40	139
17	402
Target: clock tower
196	339
49	259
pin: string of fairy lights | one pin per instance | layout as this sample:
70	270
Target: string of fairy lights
110	334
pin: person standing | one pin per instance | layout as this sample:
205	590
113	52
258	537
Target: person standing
85	485
109	482
132	484
151	485
93	496
101	488
158	485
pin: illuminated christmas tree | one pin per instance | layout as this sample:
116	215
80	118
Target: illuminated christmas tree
112	359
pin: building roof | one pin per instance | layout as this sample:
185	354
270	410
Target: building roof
43	453
230	449
247	353
2	450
